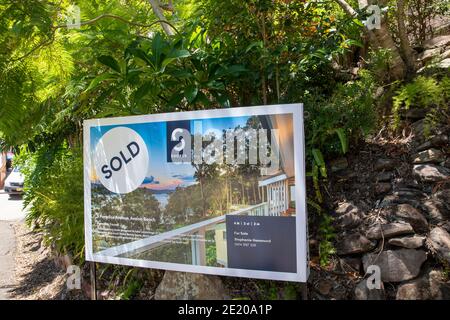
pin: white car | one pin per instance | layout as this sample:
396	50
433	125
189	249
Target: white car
14	182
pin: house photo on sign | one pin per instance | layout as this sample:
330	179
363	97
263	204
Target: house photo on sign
214	191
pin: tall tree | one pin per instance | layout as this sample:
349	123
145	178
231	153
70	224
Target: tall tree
382	38
406	49
157	10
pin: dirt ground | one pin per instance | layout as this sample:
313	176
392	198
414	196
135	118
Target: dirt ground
37	276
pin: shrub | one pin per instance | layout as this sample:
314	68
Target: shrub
423	92
54	195
334	124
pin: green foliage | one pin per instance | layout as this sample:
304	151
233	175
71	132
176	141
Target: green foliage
160	74
423	92
334	124
54	195
327	235
287	46
290	292
131	285
229	53
379	63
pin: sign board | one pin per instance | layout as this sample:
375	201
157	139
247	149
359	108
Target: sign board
214	191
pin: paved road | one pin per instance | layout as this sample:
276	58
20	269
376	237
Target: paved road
10	213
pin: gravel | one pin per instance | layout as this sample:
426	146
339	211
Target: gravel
37	276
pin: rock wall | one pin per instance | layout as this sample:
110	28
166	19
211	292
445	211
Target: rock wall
398	217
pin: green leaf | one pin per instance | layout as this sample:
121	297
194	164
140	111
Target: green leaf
234	70
203	99
182	74
356	43
320	162
177	54
258	44
97	80
191	93
138	53
157	48
109	62
143	91
175	100
343	138
358	22
222	99
323	171
318	157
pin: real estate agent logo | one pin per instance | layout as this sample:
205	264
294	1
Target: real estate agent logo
121	160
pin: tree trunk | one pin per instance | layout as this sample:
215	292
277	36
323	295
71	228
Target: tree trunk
381	38
397	65
407	51
158	12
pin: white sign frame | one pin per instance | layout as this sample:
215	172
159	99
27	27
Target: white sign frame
300	191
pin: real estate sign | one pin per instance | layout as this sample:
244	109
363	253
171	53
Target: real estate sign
214	191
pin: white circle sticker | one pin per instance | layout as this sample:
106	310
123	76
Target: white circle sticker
121	160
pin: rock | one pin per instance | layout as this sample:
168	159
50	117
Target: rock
396	265
348	215
384	164
443	195
339	164
444	64
436	42
445	225
353	263
436	141
431	172
384	176
382	187
325	287
431	286
338	293
445	55
438	206
408	193
190	286
348	207
412	216
447	163
416	113
364	293
389	230
354	243
402	184
429	156
418	129
413	242
429	54
348	221
393	199
437	210
439	242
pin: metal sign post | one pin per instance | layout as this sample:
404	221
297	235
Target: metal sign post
93	281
